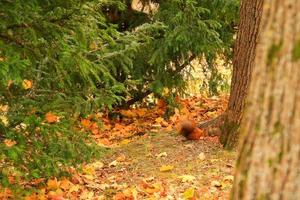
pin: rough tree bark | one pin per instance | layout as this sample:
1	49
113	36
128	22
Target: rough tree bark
244	53
268	165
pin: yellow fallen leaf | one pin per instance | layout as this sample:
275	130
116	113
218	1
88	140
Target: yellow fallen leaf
89	170
4	120
53	184
9	142
97	165
125	142
159	119
189	193
134	193
74	188
166	168
27	84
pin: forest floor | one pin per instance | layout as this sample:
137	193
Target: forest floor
166	166
148	159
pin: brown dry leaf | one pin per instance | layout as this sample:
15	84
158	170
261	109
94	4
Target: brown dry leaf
53	184
27	84
161	104
51	118
9	83
9	142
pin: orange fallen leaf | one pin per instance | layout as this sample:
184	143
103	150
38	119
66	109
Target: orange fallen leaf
51	118
9	142
86	123
56	197
53	184
65	184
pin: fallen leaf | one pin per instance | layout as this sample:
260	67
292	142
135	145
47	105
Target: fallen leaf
121	158
228	178
163	154
65	184
51	118
187	178
113	163
3	108
86	123
9	142
27	84
125	142
189	193
56	197
97	165
166	168
201	156
53	184
89	170
159	120
4	120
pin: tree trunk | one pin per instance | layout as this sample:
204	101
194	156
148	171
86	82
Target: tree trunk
268	165
244	53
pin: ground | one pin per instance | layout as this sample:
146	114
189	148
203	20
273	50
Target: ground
199	166
147	158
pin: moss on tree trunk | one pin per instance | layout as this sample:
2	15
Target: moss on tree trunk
244	53
268	165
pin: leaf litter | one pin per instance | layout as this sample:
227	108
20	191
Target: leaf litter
147	158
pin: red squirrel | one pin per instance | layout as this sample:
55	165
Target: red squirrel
189	130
